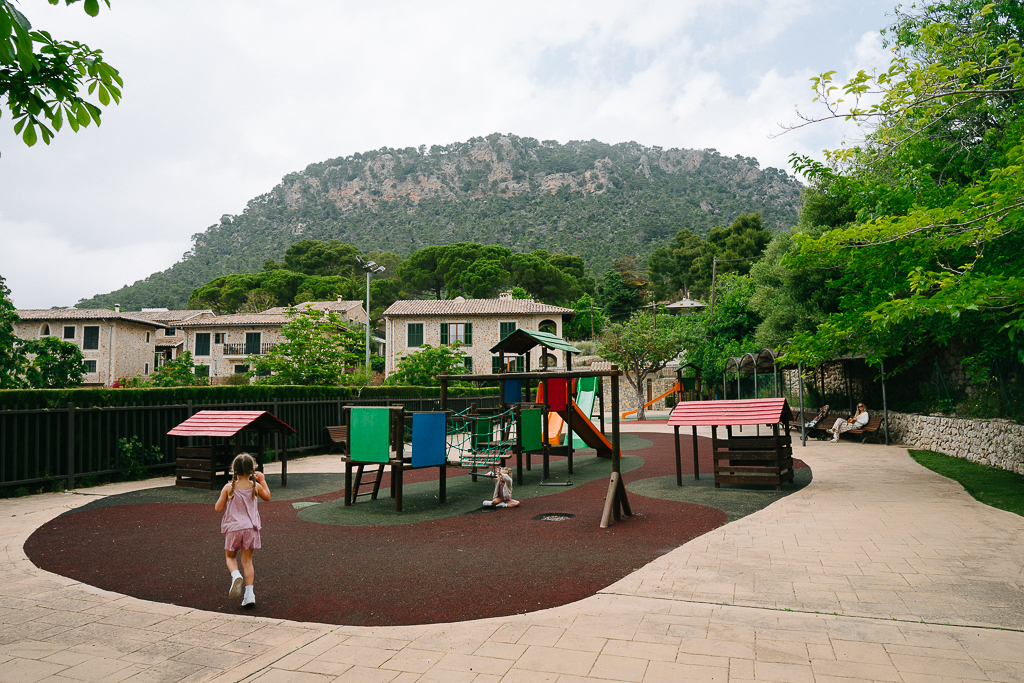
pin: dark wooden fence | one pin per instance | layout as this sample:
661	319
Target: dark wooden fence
62	444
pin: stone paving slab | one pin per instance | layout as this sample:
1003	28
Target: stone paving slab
854	578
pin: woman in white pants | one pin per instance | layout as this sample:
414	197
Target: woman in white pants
856	422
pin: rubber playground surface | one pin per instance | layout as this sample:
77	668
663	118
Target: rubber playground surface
366	565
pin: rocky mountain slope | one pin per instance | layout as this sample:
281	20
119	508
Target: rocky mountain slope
593	199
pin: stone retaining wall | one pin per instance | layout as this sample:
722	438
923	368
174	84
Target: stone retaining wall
627	395
999	443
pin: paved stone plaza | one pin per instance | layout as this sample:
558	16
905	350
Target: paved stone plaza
879	570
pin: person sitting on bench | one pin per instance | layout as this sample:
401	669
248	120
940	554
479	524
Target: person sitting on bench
858	421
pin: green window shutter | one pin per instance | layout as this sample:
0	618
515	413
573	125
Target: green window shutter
415	335
202	343
520	364
444	334
506	329
469	334
495	365
467	362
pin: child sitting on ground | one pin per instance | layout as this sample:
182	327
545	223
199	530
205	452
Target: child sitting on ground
502	490
241	523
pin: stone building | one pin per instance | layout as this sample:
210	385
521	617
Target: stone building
114	344
223	342
478	323
347	309
170	342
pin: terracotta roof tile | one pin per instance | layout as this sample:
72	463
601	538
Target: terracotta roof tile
227	423
238	319
337	306
174	316
84	314
459	306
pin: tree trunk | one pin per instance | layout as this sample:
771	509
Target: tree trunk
641	410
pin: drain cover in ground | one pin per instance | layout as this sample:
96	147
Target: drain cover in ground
553	517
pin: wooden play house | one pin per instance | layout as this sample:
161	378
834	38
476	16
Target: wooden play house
208	467
764	459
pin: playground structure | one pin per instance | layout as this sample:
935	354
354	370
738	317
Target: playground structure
740	459
378	436
208	467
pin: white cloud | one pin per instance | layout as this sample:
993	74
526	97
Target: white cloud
223	99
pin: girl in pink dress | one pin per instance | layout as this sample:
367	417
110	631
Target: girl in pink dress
241	523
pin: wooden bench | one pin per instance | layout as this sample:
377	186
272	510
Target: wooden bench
337	437
867	431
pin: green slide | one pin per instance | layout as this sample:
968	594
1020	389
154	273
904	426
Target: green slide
586	396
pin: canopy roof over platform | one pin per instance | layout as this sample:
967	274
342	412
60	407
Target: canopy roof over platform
520	341
755	411
229	423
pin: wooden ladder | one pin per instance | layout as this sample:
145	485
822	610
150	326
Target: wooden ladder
359	482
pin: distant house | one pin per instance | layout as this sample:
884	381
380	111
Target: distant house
224	342
114	344
684	306
349	310
478	323
170	342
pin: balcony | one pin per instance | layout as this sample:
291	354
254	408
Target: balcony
242	349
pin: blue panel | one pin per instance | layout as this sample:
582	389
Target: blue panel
428	439
513	391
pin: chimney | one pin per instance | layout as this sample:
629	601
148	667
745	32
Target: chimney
340	299
117	308
505	295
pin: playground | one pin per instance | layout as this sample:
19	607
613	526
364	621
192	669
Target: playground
424	542
367	565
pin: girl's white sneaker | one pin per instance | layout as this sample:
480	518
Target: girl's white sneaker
236	588
249	600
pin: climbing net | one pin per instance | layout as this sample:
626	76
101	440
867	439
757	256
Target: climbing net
480	440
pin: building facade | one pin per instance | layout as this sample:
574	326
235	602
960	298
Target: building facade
170	342
114	344
478	324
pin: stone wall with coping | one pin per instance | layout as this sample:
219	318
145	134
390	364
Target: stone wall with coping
999	443
627	395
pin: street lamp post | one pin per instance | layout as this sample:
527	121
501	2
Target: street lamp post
370	267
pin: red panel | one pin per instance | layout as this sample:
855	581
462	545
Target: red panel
557	400
227	423
743	412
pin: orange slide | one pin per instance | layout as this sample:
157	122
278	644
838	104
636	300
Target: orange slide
675	387
581	425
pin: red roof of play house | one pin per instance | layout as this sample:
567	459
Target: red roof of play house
755	411
227	423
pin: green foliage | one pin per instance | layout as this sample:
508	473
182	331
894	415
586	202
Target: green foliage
711	338
642	345
56	364
318	348
687	264
423	367
588	323
638	206
330	258
617	297
42	79
179	372
933	256
38	363
1001	489
132	457
377	363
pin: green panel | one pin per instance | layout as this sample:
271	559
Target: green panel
469	334
444	334
531	426
368	434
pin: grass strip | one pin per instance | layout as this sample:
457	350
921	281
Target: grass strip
990	485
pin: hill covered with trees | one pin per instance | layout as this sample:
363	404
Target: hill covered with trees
592	199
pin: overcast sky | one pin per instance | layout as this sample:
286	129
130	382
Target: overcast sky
223	98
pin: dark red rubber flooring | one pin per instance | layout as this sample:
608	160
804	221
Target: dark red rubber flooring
469	566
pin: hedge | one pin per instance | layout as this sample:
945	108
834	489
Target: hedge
87	398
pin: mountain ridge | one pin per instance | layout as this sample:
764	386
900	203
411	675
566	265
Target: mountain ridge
593	199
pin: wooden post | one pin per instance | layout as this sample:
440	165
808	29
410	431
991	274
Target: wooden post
349	494
696	463
679	461
545	418
71	446
284	459
609	500
569	403
444	391
714	453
